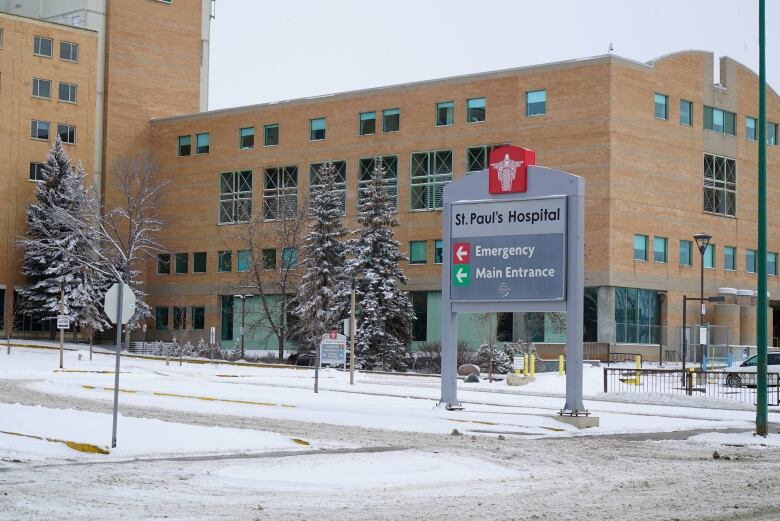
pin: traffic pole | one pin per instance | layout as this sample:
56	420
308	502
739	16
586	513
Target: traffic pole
761	328
116	368
62	331
352	337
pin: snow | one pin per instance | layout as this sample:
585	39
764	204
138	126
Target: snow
737	439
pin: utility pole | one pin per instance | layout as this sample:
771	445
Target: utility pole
762	412
352	334
62	331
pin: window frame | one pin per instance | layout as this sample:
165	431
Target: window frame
179	318
37	82
528	103
266	129
195	256
163	259
235	203
157	316
710	251
645	239
177	262
432	182
729	266
713	186
751	267
35	172
412	244
221	256
366	167
469	110
180	146
340	184
389	113
198	146
72	88
73	45
37	42
200	312
689	104
35	128
314	132
712	111
665	242
665	98
438	251
450	106
755	128
241	138
265	253
771	266
289	259
68	128
690	252
361	120
771	140
280	184
243	256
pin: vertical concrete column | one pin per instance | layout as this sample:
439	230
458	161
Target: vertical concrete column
728	315
519	326
747	325
606	314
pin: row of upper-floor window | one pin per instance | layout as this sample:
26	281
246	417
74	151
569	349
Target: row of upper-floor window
659	254
179	263
43	46
715	119
40	130
476	112
429	172
162	317
67	92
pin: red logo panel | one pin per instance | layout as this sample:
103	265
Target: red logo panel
461	253
508	169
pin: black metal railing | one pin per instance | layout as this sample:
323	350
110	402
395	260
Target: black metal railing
712	384
620	358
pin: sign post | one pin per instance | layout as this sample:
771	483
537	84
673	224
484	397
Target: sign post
119	306
514	242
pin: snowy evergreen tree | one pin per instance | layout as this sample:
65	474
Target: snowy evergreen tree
320	306
52	247
384	311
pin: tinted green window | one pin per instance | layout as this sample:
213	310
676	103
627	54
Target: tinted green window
163	263
661	106
750	128
438	251
271	135
179	318
269	259
161	318
750	261
182	262
243	260
686	258
198	317
686	112
226	321
317	129
199	262
445	113
225	261
718	120
202	143
659	249
729	258
640	247
475	110
536	103
246	137
185	145
418	252
709	256
637	316
367	123
391	120
420	324
289	259
771	133
771	263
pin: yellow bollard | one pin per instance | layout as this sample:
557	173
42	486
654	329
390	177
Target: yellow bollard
560	365
533	366
638	367
525	365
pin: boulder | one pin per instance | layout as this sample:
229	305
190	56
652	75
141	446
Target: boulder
517	379
472	379
467	369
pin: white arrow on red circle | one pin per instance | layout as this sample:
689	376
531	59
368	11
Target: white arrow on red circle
462	252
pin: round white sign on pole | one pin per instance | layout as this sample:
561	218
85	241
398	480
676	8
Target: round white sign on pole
128	303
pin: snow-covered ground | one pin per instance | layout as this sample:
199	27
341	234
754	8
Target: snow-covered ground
202	441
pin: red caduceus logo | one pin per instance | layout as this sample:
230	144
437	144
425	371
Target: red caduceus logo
333	334
508	169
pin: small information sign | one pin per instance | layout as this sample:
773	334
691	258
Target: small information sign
63	321
333	349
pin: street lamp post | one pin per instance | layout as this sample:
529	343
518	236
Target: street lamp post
702	241
243	315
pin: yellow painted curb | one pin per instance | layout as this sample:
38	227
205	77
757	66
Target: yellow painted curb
93	388
81	447
86	371
472	421
204	398
300	441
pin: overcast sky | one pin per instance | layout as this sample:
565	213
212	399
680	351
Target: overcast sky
270	50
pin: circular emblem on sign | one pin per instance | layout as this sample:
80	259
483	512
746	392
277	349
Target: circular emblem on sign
504	289
333	334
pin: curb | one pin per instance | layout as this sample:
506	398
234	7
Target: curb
78	446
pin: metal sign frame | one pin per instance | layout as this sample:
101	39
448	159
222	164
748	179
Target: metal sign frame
542	183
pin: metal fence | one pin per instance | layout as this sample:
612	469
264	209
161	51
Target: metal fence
712	384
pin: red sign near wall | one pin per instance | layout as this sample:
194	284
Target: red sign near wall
507	169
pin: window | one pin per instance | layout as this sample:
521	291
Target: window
640	247
475	110
39	130
720	185
69	51
42	46
750	128
771	133
179	318
280	192
185	145
418	252
161	318
686	253
199	262
235	197
536	103
367	123
637	316
438	246
244	259
721	121
659	249
226	317
430	171
750	261
367	165
391	120
36	172
246	138
661	106
1	45
163	263
729	258
771	263
477	158
289	259
67	133
445	113
420	323
341	181
269	258
182	263
202	143
225	261
41	88
317	129
709	256
198	317
686	113
68	92
271	135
